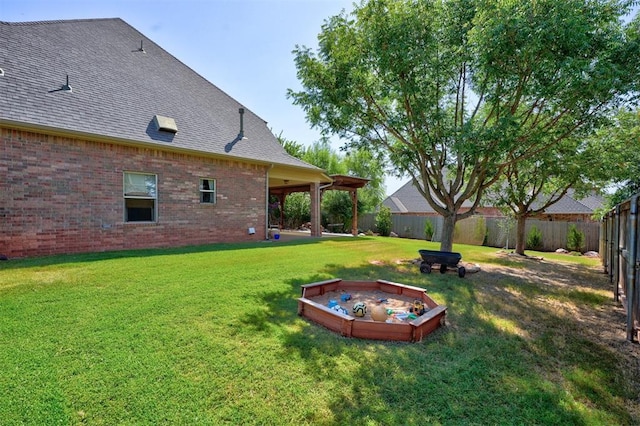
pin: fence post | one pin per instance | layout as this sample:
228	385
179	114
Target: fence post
604	244
631	264
616	253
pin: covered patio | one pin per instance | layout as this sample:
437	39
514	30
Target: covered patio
350	184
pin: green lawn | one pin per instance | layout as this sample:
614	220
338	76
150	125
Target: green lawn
211	335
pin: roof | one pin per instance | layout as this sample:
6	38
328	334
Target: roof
120	81
571	204
338	182
407	199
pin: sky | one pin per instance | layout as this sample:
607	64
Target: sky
242	46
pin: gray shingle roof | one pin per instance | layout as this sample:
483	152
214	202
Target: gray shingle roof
571	204
407	199
117	90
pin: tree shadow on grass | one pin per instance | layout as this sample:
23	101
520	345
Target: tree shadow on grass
512	353
74	258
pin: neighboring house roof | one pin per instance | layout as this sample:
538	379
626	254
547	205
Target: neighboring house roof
571	204
407	199
117	89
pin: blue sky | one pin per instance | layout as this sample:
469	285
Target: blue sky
242	46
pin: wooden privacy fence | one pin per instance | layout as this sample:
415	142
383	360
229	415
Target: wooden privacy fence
489	231
620	248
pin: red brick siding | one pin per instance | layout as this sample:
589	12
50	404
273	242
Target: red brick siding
63	195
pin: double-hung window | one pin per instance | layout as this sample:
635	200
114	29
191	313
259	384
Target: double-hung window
208	191
140	197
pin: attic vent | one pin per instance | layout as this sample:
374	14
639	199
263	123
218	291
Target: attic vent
165	124
1	72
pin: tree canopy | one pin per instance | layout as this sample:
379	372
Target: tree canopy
619	152
532	185
454	91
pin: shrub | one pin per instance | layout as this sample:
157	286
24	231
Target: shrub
575	239
428	230
383	221
534	238
297	210
480	230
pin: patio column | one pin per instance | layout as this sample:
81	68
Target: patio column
354	212
281	199
314	191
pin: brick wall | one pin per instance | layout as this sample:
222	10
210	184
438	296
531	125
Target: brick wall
63	195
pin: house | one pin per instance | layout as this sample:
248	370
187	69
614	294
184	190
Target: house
570	208
109	142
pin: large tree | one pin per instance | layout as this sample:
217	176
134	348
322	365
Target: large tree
453	91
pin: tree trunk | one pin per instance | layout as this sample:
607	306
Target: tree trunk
520	237
448	228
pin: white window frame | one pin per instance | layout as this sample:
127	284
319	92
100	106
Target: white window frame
136	189
211	191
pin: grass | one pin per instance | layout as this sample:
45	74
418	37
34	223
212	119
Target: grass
210	335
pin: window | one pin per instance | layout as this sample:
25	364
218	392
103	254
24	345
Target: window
208	191
140	196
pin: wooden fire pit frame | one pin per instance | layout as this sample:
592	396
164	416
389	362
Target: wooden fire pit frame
349	326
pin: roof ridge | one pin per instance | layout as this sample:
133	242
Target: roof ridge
57	21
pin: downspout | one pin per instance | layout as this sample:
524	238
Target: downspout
321	187
266	216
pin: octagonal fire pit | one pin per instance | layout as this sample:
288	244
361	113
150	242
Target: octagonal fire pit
409	313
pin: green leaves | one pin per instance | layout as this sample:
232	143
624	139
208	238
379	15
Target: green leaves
464	87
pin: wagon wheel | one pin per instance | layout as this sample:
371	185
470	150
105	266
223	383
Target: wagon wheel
461	271
425	268
443	269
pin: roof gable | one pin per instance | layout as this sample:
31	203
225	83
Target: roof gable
120	80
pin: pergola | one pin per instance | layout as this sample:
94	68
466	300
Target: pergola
340	183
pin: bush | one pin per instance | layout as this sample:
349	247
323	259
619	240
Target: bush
297	210
428	230
480	230
383	221
575	239
534	239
